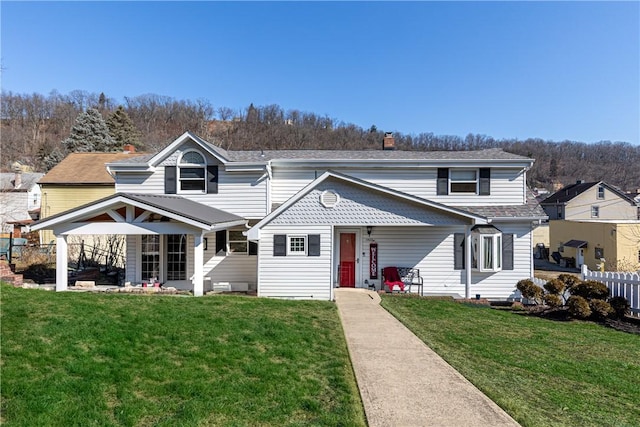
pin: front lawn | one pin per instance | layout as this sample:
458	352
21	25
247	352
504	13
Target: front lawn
100	359
542	372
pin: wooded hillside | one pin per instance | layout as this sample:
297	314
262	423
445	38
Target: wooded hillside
34	125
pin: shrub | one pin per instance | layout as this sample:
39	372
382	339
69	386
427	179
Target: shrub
553	300
578	307
569	280
590	289
555	286
600	309
530	290
620	306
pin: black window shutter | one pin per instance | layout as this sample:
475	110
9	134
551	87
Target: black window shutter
485	181
458	251
212	179
279	245
253	248
170	183
221	241
443	181
507	251
314	245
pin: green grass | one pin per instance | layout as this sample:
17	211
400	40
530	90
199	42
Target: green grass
105	359
542	372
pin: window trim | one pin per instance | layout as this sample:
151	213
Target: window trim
305	238
230	241
180	165
486	251
600	194
595	211
475	181
223	245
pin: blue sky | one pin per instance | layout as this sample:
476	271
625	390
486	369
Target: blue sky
552	70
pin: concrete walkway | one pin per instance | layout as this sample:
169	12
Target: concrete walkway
403	382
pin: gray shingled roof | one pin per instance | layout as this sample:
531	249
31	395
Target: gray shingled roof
184	207
29	179
531	209
259	156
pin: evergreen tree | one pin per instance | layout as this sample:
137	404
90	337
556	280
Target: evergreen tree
90	133
49	159
122	128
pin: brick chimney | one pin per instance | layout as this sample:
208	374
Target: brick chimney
389	142
129	148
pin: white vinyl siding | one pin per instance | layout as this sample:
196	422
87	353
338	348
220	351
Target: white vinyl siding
507	185
301	277
239	193
228	268
431	250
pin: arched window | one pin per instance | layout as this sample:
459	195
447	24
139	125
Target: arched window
192	172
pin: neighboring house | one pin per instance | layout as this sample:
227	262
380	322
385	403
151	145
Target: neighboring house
592	221
80	178
298	223
19	200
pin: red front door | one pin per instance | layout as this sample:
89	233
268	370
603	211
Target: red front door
348	260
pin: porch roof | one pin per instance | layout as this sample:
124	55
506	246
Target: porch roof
576	244
173	207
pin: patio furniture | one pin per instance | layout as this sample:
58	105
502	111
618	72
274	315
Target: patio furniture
403	278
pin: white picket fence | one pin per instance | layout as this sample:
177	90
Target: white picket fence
620	284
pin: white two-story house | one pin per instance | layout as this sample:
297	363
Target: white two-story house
299	223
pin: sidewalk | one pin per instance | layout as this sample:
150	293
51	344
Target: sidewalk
403	382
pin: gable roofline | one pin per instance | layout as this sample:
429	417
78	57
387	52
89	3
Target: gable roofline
174	207
570	192
209	148
253	233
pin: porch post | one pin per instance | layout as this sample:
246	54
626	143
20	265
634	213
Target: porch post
467	261
198	266
62	263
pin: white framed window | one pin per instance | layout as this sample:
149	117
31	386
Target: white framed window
192	172
463	181
150	256
486	248
601	192
296	245
595	211
237	243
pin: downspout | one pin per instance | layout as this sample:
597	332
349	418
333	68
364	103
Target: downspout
268	189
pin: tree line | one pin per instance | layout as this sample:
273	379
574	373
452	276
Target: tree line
38	130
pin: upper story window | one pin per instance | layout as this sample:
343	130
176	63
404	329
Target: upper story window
469	181
463	181
191	175
192	172
601	192
595	211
